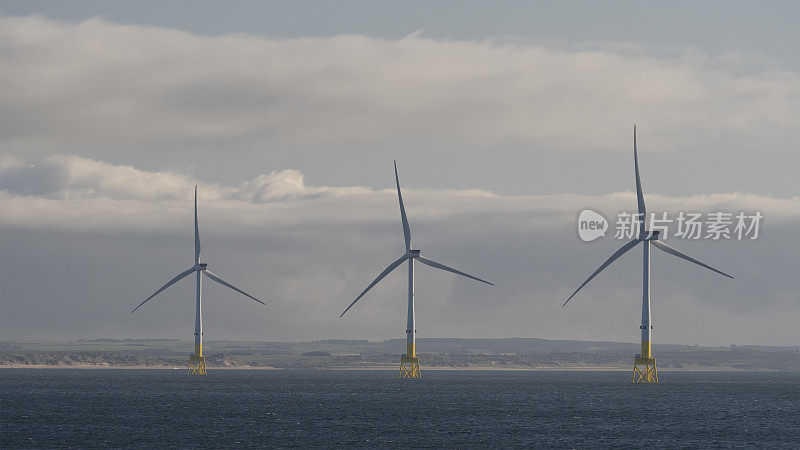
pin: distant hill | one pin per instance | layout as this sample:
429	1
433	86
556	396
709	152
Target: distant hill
514	353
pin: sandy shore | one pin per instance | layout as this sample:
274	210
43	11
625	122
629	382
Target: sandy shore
384	368
392	368
94	366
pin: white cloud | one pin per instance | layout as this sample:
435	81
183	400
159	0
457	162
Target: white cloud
97	81
67	191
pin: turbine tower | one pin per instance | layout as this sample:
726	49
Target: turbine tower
197	362
409	363
647	373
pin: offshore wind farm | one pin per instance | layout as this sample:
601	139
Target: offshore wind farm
269	128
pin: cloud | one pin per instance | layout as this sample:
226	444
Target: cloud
69	176
84	234
68	191
96	82
84	240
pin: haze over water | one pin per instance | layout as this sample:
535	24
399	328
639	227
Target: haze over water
456	409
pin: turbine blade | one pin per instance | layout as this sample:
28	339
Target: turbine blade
639	195
613	258
677	253
436	265
169	283
406	229
196	230
226	284
391	267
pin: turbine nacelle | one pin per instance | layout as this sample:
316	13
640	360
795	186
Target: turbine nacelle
648	235
200	266
412	254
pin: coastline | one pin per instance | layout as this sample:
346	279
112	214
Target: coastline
390	368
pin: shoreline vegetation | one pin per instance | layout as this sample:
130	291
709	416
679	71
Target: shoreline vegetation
522	354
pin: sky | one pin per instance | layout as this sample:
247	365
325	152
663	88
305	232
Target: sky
506	120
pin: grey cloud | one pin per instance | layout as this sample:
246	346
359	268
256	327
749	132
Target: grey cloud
73	265
159	110
39	179
96	81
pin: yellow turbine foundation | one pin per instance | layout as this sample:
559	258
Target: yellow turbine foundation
197	362
644	366
409	364
197	365
646	353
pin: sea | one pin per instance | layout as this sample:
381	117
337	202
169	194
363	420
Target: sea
80	408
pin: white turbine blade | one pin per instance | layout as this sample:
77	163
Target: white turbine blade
431	263
613	257
639	195
196	231
169	283
406	229
675	252
391	267
226	284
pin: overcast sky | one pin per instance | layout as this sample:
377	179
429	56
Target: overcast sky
506	121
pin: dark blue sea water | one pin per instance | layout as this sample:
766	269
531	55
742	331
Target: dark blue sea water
238	408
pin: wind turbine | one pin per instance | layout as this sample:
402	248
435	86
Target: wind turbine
197	362
648	374
409	363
